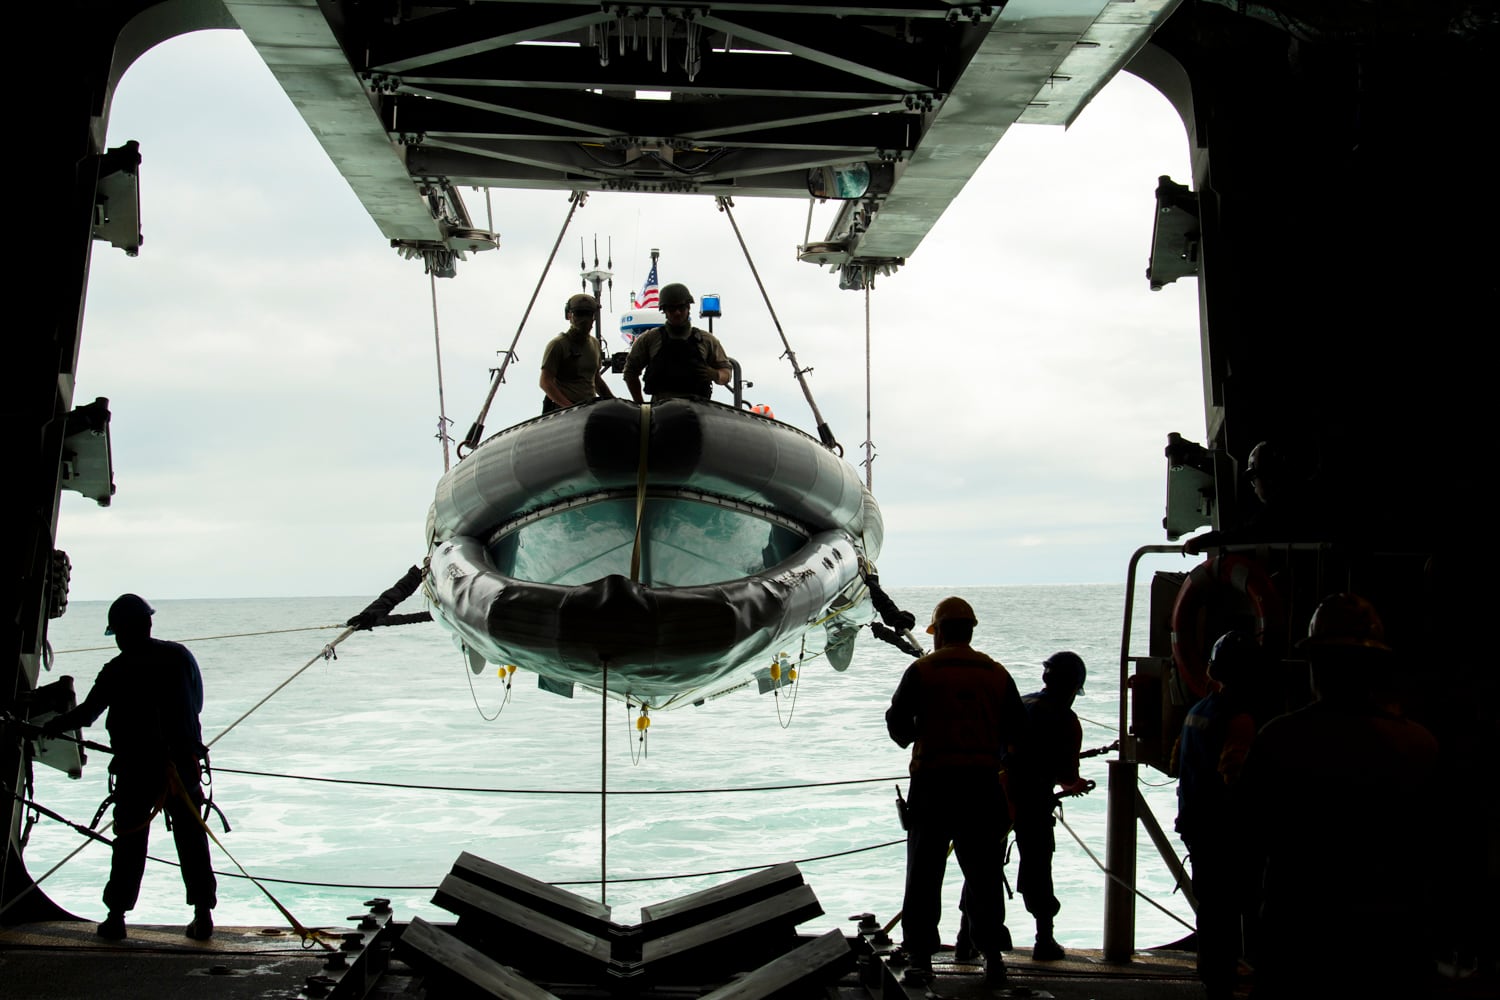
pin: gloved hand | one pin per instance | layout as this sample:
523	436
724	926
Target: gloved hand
51	728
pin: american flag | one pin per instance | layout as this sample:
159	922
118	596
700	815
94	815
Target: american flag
649	292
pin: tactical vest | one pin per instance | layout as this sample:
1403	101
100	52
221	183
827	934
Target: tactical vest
676	368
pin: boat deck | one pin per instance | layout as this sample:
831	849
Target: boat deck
65	960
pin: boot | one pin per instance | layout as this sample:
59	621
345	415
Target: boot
918	971
113	927
202	927
994	971
963	945
1047	949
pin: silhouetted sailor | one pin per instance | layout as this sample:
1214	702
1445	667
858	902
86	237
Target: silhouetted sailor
1283	514
153	692
1340	794
961	714
678	358
1216	738
1047	764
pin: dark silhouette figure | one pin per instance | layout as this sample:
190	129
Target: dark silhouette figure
1047	762
1283	513
1341	798
1216	738
961	714
153	692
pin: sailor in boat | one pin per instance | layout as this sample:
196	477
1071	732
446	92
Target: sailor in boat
679	359
570	364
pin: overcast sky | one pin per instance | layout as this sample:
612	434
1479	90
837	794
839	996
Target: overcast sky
271	369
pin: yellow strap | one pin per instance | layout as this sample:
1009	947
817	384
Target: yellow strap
305	933
640	492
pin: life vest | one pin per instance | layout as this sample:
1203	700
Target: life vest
1220	593
676	368
963	711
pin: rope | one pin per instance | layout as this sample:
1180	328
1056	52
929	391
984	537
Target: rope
209	638
1100	865
640	493
471	440
554	791
176	786
437	344
604	771
326	653
726	206
418	888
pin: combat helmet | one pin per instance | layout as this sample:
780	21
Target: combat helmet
674	294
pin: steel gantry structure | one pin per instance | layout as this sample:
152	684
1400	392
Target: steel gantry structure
742	97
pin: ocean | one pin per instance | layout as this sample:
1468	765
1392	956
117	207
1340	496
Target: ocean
513	775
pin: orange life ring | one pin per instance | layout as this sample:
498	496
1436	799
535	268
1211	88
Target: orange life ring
1203	612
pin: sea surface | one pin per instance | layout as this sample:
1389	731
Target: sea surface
514	775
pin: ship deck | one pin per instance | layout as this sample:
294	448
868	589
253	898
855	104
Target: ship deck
65	960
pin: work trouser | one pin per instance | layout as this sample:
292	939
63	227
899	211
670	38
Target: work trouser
138	790
1222	888
1035	843
964	807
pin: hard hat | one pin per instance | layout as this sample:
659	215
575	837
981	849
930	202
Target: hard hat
951	609
1348	621
1064	671
761	409
1265	458
129	613
583	303
675	294
1236	654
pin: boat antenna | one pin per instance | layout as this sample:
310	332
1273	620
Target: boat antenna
597	277
476	430
726	206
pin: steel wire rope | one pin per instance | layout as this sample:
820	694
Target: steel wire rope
726	205
209	638
471	440
437	344
326	653
869	462
553	791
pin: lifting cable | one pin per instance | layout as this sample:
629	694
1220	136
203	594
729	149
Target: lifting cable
726	206
476	432
437	343
376	614
869	462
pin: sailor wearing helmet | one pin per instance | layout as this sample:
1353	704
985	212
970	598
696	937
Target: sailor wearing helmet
679	359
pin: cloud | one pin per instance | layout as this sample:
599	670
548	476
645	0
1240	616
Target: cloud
272	365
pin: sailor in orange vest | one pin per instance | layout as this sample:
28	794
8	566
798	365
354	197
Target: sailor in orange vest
961	714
